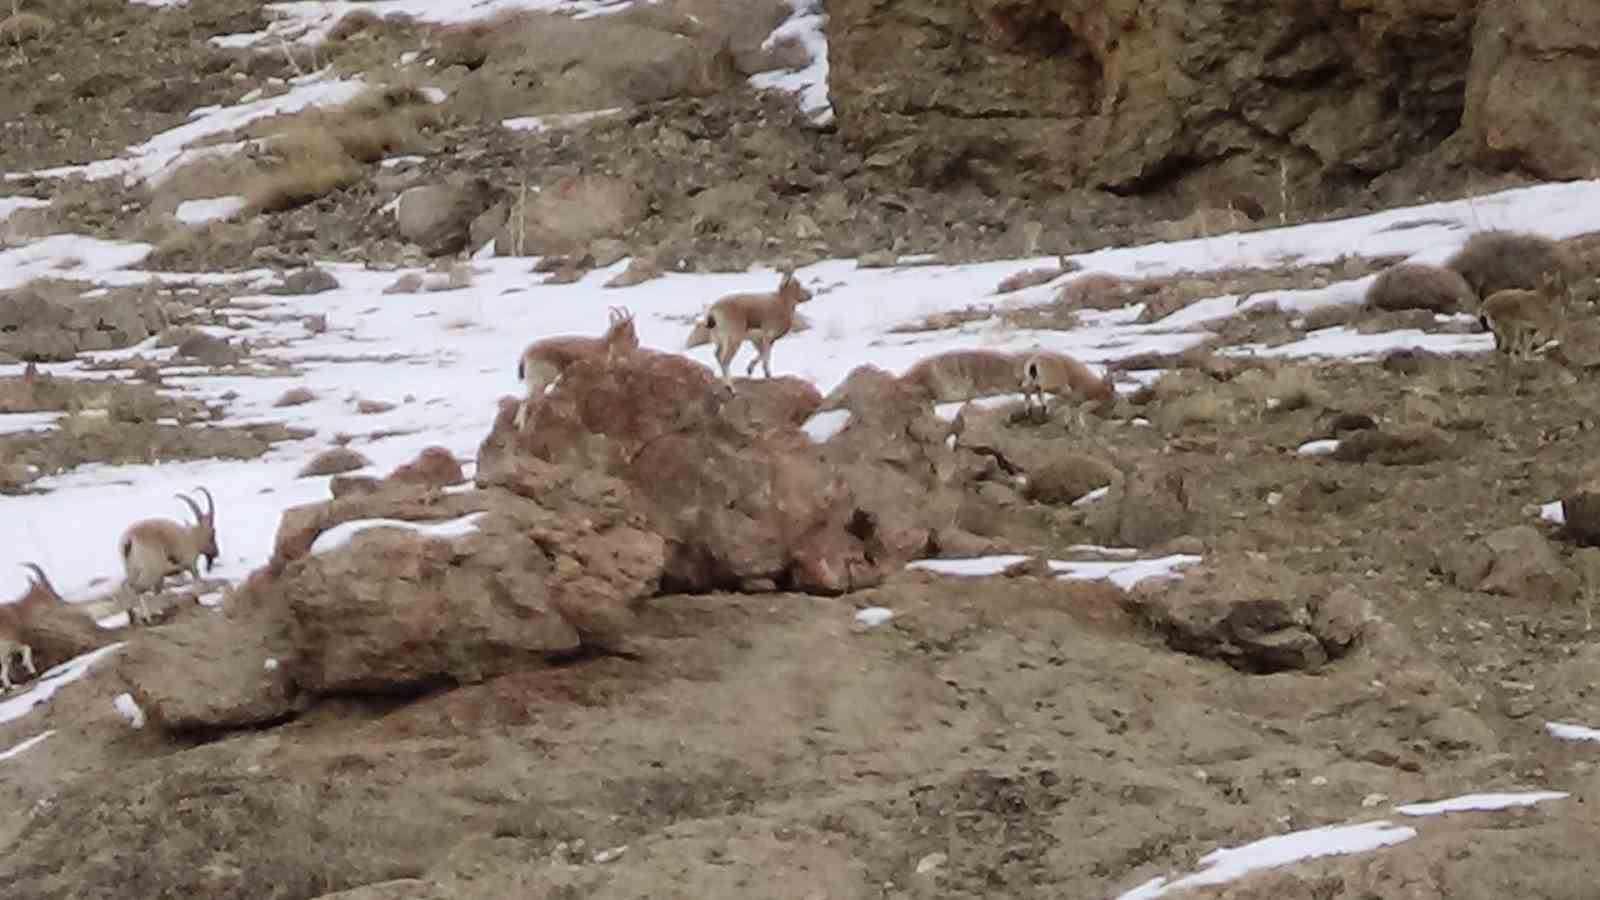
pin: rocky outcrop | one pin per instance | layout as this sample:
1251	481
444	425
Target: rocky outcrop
1535	68
742	497
438	217
1263	619
1129	95
49	322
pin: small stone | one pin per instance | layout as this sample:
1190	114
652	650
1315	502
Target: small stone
611	855
930	862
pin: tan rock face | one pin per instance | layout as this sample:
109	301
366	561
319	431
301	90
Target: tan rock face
1535	67
1127	93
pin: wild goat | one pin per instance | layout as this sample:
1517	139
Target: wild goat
964	375
1523	321
153	549
1045	372
759	318
11	648
39	586
544	361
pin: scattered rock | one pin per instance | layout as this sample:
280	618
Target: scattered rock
334	461
304	282
1142	509
373	407
434	467
295	397
640	269
1522	564
354	485
46	321
1260	619
208	673
567	216
438	218
209	350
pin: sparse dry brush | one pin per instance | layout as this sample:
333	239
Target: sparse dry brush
321	151
1417	286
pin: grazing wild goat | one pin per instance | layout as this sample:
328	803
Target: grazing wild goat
544	361
1522	320
1045	372
153	549
759	318
965	375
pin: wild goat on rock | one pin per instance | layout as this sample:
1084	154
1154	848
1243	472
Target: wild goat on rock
544	361
1046	372
153	549
1522	320
759	318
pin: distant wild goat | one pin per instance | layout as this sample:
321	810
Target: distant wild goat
1522	320
544	361
1045	372
153	549
759	318
965	375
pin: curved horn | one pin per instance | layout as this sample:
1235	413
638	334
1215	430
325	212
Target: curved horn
198	515
211	505
38	573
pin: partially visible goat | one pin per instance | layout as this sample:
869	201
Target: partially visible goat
11	648
153	549
1045	372
544	361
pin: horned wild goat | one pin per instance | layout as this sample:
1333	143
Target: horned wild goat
760	318
1047	372
153	549
546	360
1523	320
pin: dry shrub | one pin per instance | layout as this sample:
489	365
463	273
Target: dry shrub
1028	278
1417	286
1207	408
24	26
1498	260
1095	290
199	248
311	164
353	23
320	151
1283	388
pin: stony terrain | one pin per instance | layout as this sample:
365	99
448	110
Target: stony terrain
617	653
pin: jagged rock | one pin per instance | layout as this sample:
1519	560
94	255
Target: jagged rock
1531	74
1125	96
1262	619
209	350
742	499
567	216
49	322
334	461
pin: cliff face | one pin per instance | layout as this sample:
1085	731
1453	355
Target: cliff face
1214	101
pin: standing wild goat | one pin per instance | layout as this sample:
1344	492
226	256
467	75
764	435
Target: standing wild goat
153	549
1045	372
544	361
1522	320
759	318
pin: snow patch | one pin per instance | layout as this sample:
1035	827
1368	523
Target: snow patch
873	616
22	747
1479	803
199	212
340	535
129	708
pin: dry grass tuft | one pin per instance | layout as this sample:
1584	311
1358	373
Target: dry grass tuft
24	26
321	151
1284	388
1206	408
1095	290
1417	286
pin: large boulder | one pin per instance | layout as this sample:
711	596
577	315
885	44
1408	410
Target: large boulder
743	498
1258	619
438	217
49	322
1535	69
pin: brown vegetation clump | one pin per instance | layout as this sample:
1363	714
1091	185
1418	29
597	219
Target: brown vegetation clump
1094	290
322	150
24	26
295	397
1494	261
1417	286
